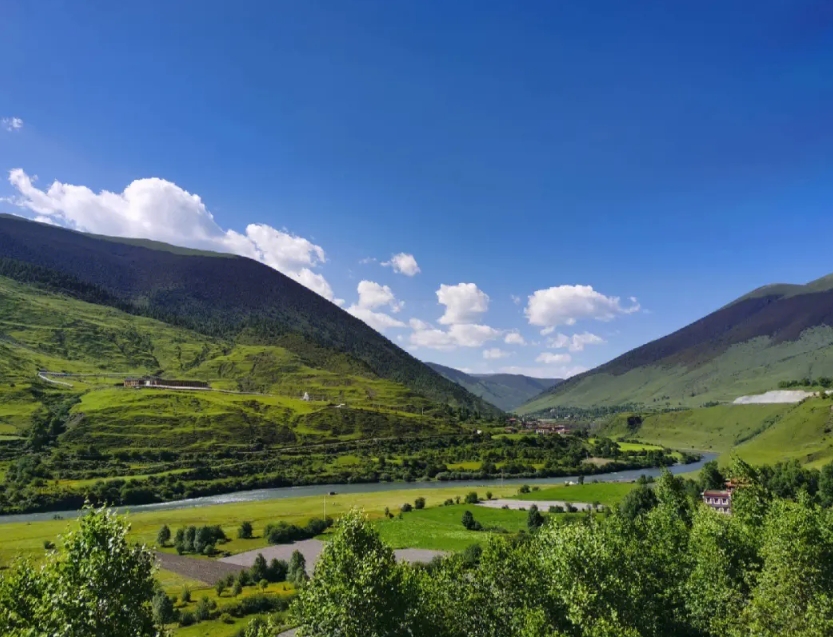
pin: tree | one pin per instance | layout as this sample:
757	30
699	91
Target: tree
297	571
534	519
711	477
185	596
164	536
406	508
245	532
468	520
163	609
358	588
97	583
220	587
260	569
471	498
639	500
419	503
277	570
203	609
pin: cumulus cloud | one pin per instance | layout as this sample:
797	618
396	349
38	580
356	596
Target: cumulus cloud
463	302
513	338
495	353
545	372
553	359
574	343
403	264
160	210
373	296
566	304
463	335
11	124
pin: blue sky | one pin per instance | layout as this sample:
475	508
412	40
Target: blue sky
621	169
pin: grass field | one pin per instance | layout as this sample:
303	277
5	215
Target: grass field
440	528
607	493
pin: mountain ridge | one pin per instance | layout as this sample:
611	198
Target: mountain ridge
773	333
506	391
220	295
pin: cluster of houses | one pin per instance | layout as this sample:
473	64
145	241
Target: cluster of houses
164	383
539	427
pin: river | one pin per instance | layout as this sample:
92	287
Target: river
280	493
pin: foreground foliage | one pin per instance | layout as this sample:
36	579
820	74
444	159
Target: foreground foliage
96	583
674	568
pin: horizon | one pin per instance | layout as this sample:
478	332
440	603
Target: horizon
495	190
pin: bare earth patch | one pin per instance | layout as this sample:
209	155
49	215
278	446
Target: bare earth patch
311	550
542	505
208	571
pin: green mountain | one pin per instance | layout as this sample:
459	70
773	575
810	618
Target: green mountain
225	297
775	333
506	391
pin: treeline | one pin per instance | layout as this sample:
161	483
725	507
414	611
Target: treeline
672	567
822	381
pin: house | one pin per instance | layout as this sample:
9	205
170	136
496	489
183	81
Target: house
167	383
720	499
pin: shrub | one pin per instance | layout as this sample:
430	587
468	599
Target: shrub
277	571
419	503
203	610
164	536
48	545
185	597
263	584
220	587
448	502
488	495
186	618
524	489
405	508
226	618
237	588
534	519
471	498
470	523
245	532
163	608
243	578
556	509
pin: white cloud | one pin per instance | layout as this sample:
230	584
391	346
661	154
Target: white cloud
372	296
547	330
367	260
513	338
160	210
463	302
574	343
515	299
377	320
463	335
544	372
495	353
566	304
11	123
403	264
553	359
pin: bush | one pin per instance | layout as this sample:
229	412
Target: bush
185	597
226	618
448	502
203	610
524	489
470	523
186	618
245	532
237	588
488	495
220	587
556	509
164	536
419	503
277	571
406	508
48	545
471	498
163	608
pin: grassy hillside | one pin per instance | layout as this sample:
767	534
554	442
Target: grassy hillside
760	434
221	296
506	391
47	331
775	333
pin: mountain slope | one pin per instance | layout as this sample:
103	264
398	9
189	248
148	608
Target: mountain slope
222	296
778	332
506	391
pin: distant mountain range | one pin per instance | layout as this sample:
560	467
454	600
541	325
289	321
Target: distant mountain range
775	333
506	391
218	295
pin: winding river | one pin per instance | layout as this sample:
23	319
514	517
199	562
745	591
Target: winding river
280	493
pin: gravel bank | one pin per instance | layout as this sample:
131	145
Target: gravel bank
543	505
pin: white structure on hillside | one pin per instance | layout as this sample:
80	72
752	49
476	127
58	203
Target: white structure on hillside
306	396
